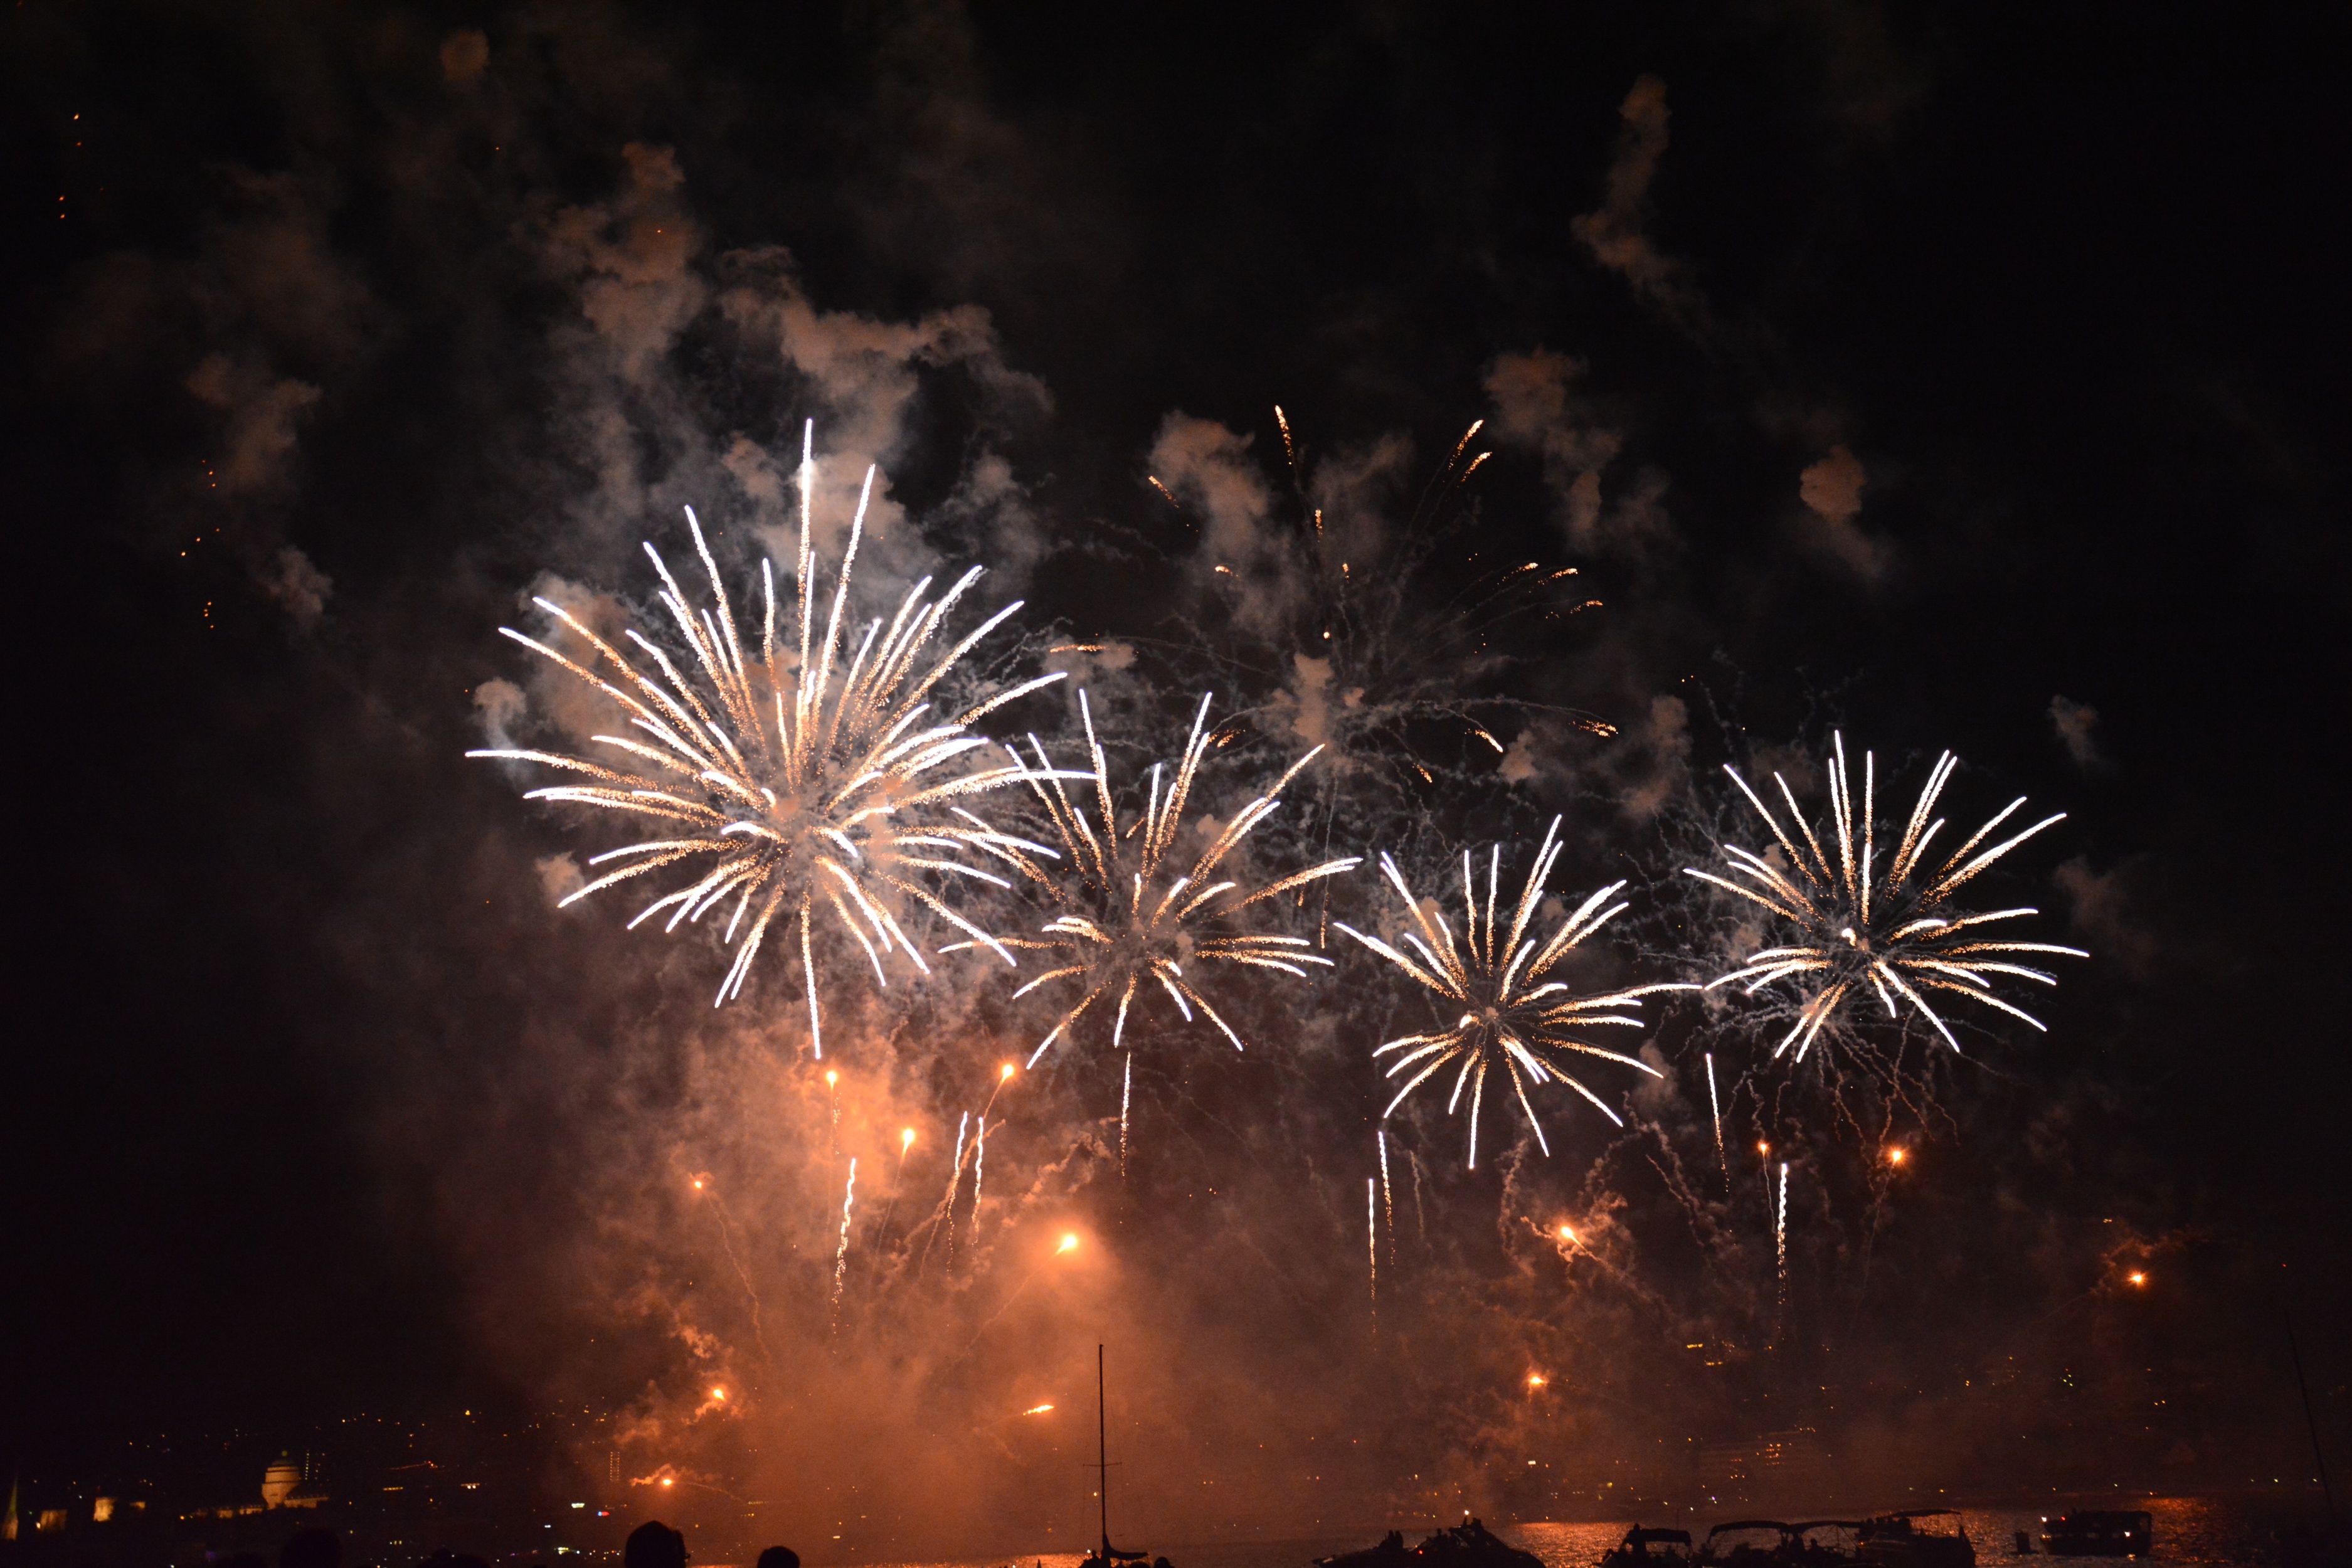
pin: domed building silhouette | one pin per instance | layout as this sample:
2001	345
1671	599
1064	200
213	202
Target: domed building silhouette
284	1486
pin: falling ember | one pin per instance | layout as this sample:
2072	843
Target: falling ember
719	1396
1004	1075
1120	930
841	1257
1037	1410
905	1142
955	1181
1715	1108
1509	1014
1848	925
1535	1380
806	782
2136	1278
1567	1233
1373	1236
1069	1244
1896	1155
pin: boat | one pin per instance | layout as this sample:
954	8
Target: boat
1649	1544
1109	1556
2100	1532
1469	1544
1896	1539
1751	1543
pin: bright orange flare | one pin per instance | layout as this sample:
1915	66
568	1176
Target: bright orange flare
905	1139
2136	1278
1069	1242
831	1077
1895	1156
1535	1380
719	1395
697	1183
1004	1074
1566	1234
1037	1410
667	1481
1762	1147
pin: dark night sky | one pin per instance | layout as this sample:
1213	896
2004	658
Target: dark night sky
2068	284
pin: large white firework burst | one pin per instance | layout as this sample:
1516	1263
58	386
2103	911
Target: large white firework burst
1120	930
1848	923
1511	1015
793	779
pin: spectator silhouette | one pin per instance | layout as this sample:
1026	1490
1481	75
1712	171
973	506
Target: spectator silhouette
315	1547
654	1544
780	1557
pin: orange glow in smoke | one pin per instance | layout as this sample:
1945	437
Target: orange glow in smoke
905	1142
697	1183
1566	1234
831	1077
1895	1156
1535	1380
1037	1410
1069	1242
668	1481
1004	1074
2136	1278
719	1395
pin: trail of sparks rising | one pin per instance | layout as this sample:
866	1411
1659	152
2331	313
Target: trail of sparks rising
1849	925
1511	1015
841	1257
1120	930
1388	1194
1373	1236
1126	1099
1715	1108
809	780
1781	1236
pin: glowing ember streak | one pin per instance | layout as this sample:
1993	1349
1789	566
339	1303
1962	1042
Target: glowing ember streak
1535	1380
1849	925
719	1395
905	1142
809	780
1069	1243
1120	930
2136	1278
1510	1016
1125	1100
1037	1410
1372	1235
1780	1230
841	1258
1388	1194
1715	1108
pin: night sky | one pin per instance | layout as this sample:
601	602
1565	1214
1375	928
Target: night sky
1957	376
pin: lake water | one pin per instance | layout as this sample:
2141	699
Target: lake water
2193	1532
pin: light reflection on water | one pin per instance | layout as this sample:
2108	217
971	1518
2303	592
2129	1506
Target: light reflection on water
2192	1532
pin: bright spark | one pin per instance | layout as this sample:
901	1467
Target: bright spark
1069	1243
1509	1014
807	780
1847	924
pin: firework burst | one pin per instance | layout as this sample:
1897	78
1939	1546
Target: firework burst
1125	926
1511	1015
789	778
1848	924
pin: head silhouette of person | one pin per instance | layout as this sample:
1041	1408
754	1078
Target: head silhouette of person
780	1557
654	1544
315	1547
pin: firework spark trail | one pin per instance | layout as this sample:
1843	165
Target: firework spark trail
809	780
1126	1099
841	1257
1851	926
1511	1015
1115	931
1714	1107
955	1181
1372	1237
1780	1238
1388	1194
979	1171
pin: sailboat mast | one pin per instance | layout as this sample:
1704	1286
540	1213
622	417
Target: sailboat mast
1102	1452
